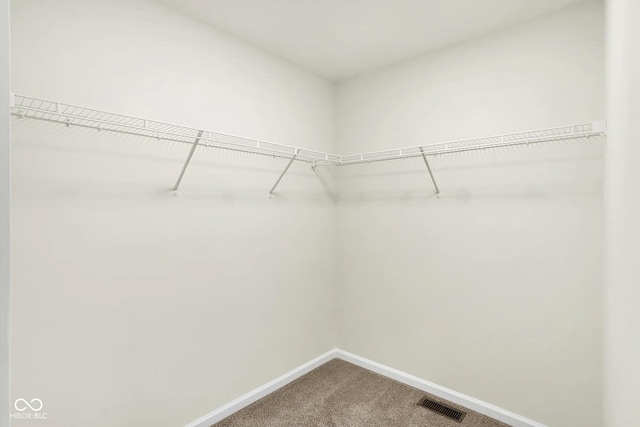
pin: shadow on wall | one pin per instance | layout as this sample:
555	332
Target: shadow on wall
487	193
543	171
53	136
147	168
70	163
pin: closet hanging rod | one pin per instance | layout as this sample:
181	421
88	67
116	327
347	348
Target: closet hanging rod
72	115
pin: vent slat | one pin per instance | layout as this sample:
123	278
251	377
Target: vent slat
441	409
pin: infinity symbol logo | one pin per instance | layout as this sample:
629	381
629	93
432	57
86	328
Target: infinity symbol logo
35	405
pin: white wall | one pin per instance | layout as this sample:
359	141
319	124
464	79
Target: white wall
5	199
132	307
622	201
495	289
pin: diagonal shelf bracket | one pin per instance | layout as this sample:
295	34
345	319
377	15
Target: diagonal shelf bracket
426	162
327	188
186	163
283	172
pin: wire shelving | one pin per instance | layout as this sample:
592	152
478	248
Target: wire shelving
72	115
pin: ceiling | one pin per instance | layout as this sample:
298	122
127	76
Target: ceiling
338	39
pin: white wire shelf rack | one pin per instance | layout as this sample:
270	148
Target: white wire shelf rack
584	130
72	115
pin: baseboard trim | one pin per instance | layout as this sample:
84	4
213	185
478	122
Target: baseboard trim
477	405
260	392
474	404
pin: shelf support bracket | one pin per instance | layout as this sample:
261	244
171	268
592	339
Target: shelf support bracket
426	162
283	172
186	163
326	186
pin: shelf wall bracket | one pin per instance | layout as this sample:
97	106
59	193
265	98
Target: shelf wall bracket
426	162
327	188
186	163
283	172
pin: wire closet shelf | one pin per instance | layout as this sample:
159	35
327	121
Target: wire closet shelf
584	130
72	115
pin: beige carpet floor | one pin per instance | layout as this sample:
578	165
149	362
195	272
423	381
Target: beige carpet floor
339	393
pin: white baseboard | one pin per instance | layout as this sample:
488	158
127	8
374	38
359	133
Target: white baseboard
429	387
257	394
439	391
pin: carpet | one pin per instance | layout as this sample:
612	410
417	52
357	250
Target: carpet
341	394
